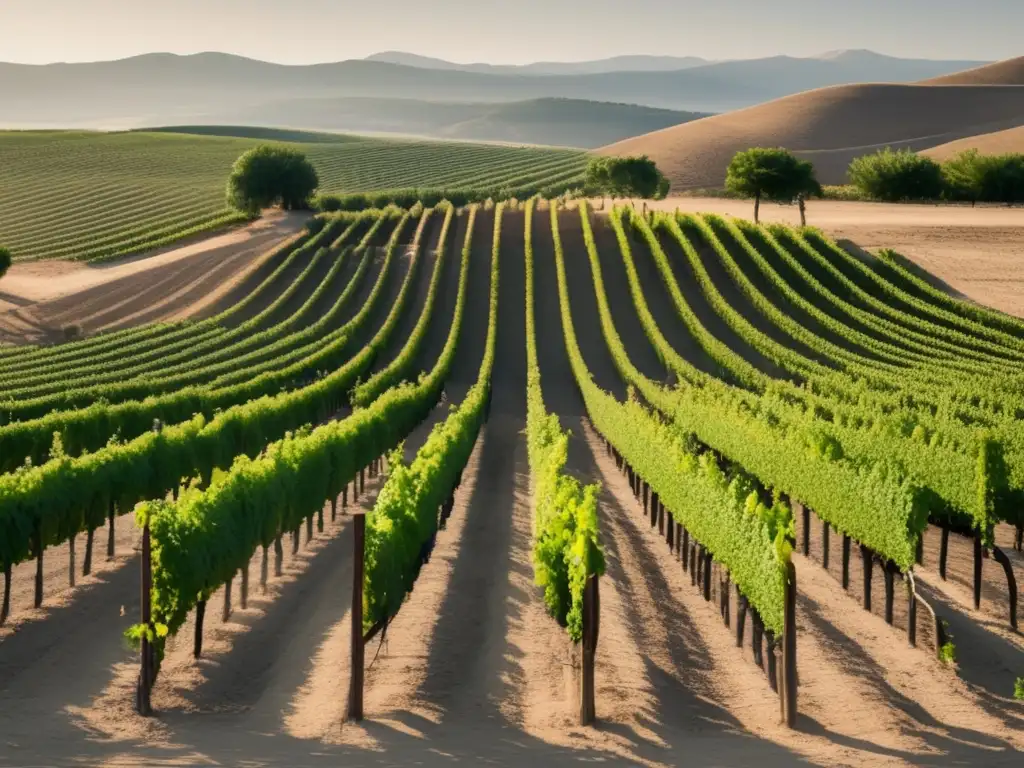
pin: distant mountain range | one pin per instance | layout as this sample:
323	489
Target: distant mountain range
598	66
554	121
163	88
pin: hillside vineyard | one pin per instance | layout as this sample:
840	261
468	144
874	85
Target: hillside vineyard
519	444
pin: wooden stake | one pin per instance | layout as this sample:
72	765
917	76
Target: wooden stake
773	659
824	543
789	668
707	575
146	667
911	614
263	571
334	509
977	571
197	640
846	561
806	513
309	529
245	586
355	691
756	633
591	627
741	616
110	532
5	607
686	549
889	572
278	555
865	555
87	564
943	551
71	561
227	600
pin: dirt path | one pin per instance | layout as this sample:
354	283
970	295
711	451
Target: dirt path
37	299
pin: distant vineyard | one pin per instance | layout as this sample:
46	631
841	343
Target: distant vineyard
90	196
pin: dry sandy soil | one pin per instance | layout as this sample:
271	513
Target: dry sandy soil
38	299
472	671
997	143
831	126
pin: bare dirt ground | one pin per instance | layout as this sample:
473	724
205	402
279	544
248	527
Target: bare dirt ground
38	299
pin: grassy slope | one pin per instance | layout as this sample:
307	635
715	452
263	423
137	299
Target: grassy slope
90	196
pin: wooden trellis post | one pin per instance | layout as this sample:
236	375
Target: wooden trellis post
357	671
591	630
146	666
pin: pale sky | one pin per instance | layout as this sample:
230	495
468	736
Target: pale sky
509	31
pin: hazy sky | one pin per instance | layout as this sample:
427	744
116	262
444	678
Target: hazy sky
506	31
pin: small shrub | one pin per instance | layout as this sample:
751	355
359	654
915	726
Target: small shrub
1018	689
896	176
947	653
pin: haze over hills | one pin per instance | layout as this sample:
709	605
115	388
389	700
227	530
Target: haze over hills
557	122
637	63
163	88
831	126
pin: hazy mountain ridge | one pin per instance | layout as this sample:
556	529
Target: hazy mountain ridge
555	121
163	88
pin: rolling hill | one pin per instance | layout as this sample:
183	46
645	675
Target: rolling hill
996	143
550	121
830	126
1008	72
162	88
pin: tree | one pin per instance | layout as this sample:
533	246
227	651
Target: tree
895	176
964	174
772	174
270	175
635	176
5	260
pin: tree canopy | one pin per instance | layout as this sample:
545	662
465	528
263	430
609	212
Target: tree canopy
5	260
270	175
969	175
633	176
894	176
771	174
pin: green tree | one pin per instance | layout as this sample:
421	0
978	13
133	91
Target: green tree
270	175
633	176
772	174
5	260
895	176
964	174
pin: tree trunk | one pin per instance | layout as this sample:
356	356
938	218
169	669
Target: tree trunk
757	207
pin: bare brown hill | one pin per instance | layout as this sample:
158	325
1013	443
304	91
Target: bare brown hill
1007	72
829	126
997	143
